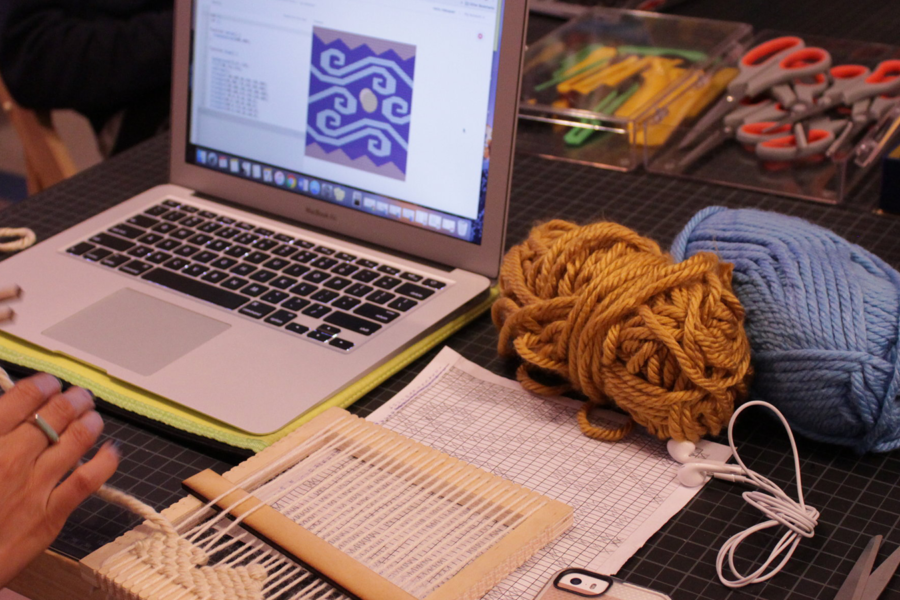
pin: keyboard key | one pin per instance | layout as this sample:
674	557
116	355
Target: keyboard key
265	244
316	311
365	276
227	233
243	269
303	244
387	283
215	276
218	245
255	289
256	257
116	260
319	336
323	262
345	269
136	267
368	264
201	239
295	303
359	290
208	215
226	220
156	211
174	216
296	270
324	250
205	256
195	270
433	283
127	231
142	221
414	291
388	270
140	251
97	254
282	237
352	323
274	296
192	222
150	238
165	228
284	251
281	317
341	343
263	276
112	242
344	256
246	238
380	297
256	309
263	231
167	245
304	256
410	276
176	264
324	296
329	329
244	225
376	313
282	283
189	209
277	264
210	227
186	250
297	328
316	276
80	248
223	262
182	234
346	303
304	289
157	258
196	288
337	283
237	251
171	203
234	283
402	304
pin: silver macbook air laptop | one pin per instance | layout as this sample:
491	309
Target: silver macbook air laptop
340	176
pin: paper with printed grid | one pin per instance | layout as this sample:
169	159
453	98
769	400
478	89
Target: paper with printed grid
622	492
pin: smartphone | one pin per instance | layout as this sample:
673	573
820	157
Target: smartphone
572	584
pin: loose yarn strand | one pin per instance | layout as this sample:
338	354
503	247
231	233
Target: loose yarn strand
602	311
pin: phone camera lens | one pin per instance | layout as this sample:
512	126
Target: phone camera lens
576	581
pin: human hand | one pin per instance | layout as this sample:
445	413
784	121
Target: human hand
34	505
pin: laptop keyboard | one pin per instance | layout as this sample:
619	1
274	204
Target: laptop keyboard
315	291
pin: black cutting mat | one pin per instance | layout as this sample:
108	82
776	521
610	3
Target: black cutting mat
857	497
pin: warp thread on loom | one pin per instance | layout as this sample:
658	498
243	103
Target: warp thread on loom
823	317
606	313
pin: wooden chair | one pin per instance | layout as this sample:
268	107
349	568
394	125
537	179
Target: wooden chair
47	161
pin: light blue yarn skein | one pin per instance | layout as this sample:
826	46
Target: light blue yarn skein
823	319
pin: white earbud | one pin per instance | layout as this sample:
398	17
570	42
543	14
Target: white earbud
697	472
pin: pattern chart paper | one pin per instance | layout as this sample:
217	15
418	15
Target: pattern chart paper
622	492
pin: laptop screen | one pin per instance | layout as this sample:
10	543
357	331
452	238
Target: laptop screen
382	106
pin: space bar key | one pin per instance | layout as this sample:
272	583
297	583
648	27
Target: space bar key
195	288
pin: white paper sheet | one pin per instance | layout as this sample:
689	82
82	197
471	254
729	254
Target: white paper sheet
622	492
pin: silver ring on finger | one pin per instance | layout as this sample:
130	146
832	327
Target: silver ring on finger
45	427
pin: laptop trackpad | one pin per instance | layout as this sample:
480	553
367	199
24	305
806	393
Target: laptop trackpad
136	331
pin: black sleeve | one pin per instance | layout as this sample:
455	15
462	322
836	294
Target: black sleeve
55	54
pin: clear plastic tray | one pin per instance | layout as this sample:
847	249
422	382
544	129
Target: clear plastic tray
815	177
591	90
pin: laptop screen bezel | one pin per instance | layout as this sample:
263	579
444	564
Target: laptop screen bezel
483	258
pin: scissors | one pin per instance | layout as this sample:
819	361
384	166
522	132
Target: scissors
777	61
851	85
802	143
863	583
864	112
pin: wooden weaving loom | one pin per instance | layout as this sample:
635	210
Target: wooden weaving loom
341	506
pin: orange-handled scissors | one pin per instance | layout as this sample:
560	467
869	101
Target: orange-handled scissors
817	140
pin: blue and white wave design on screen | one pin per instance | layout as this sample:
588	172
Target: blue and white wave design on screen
360	98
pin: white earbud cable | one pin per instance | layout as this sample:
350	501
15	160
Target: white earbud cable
773	502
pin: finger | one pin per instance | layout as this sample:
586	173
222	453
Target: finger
79	437
59	412
10	291
83	482
21	402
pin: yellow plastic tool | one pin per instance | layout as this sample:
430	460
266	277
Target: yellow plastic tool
610	76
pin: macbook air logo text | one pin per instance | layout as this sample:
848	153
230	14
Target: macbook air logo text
321	213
